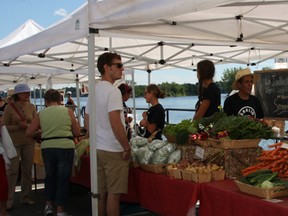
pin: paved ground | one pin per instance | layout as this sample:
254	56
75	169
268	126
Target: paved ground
79	204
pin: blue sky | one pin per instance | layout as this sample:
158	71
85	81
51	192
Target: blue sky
16	12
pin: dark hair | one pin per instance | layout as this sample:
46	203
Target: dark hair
52	95
106	58
205	70
125	88
155	90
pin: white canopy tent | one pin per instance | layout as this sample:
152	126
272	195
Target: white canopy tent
156	36
153	35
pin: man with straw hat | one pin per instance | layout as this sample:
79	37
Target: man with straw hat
243	103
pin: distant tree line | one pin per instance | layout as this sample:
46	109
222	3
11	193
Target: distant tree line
174	89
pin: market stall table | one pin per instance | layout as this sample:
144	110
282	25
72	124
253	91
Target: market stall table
155	192
225	199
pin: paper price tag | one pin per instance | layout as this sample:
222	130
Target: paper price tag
284	145
199	152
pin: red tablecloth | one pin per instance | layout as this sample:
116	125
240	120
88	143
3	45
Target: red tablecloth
165	196
82	176
155	192
225	199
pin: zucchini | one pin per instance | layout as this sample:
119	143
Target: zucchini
259	172
244	180
266	177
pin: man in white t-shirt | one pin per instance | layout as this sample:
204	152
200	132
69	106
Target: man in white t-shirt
113	150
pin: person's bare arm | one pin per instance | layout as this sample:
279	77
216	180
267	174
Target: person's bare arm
119	132
34	126
86	122
202	109
75	125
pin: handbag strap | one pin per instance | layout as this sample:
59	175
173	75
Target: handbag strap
18	112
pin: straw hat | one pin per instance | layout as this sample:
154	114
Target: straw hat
240	74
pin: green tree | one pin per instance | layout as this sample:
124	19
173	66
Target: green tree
228	78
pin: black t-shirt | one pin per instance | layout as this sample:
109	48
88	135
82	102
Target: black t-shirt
234	105
156	115
213	94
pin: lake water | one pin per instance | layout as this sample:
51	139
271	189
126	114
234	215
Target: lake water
185	102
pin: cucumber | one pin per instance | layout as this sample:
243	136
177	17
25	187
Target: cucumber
266	177
259	172
244	180
263	178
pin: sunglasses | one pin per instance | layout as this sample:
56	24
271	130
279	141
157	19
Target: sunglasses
118	65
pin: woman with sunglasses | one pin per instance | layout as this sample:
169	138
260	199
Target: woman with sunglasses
154	119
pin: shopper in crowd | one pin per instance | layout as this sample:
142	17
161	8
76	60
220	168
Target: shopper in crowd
58	127
3	180
126	92
243	103
113	150
17	116
153	119
2	106
209	96
70	102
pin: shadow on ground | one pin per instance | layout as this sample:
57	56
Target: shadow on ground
79	204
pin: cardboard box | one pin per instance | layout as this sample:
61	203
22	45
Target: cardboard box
201	177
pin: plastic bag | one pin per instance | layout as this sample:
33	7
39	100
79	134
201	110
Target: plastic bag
143	155
7	143
161	155
157	144
174	157
137	142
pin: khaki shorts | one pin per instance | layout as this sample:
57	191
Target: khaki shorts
112	172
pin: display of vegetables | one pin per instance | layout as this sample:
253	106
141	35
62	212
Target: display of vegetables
242	127
275	160
264	179
181	131
219	125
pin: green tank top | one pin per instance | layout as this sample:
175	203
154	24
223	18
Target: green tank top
56	122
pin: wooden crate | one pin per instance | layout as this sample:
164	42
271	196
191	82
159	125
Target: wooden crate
267	193
154	168
210	142
236	144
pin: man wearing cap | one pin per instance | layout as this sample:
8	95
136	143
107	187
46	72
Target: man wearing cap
243	103
17	116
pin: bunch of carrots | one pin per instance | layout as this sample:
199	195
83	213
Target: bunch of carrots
275	160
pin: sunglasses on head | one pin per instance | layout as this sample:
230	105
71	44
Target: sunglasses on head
118	65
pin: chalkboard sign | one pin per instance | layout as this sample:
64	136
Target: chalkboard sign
272	91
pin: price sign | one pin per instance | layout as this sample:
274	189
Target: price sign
284	145
199	152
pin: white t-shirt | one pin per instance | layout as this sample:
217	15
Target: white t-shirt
108	98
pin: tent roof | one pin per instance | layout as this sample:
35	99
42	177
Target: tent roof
157	35
27	29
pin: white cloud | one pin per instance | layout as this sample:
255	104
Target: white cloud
60	12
